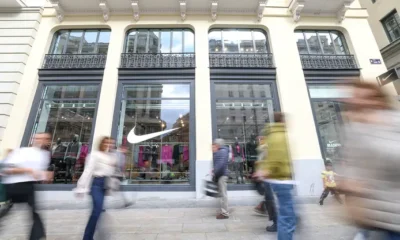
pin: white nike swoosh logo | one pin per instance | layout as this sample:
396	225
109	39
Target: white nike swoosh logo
387	77
133	138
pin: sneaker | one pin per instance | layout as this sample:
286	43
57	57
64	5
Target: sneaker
272	228
222	216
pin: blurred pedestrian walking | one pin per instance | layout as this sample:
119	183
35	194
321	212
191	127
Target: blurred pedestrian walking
100	167
268	205
371	179
120	173
220	160
25	167
328	178
277	169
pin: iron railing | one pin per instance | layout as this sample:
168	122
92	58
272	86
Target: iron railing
158	60
241	60
74	61
311	61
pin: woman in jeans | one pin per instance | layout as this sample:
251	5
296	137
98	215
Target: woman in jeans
100	165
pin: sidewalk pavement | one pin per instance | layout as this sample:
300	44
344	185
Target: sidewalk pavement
317	222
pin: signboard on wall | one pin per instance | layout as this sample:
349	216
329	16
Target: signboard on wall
375	61
389	76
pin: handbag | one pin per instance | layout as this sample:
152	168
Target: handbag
211	188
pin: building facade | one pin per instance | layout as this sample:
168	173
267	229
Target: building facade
384	19
202	69
19	23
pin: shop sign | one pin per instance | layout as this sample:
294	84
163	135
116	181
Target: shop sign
389	76
375	61
333	144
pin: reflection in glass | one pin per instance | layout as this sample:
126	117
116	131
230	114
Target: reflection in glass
141	41
313	43
338	43
301	43
177	44
60	42
326	43
154	41
131	42
231	41
103	41
215	41
165	42
260	41
189	42
164	159
240	121
89	42
74	42
67	113
246	42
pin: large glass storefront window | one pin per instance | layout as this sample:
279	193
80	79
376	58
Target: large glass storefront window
328	107
67	112
153	109
241	113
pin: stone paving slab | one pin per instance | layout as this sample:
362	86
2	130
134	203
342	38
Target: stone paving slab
178	224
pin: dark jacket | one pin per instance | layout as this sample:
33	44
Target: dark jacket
221	158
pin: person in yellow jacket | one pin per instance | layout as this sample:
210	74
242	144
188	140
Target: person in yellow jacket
277	170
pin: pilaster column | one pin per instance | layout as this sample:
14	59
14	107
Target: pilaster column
295	102
203	107
105	111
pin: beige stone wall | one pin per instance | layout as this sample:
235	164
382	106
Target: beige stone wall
18	30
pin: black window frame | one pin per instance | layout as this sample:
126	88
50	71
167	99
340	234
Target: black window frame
191	186
56	34
252	30
32	118
388	16
171	30
317	31
276	104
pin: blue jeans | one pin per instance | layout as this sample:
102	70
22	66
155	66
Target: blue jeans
97	192
286	213
392	236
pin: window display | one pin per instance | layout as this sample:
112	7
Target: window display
327	107
148	109
242	111
67	112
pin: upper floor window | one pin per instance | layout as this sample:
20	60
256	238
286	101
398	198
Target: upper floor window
321	42
160	41
392	25
237	41
81	42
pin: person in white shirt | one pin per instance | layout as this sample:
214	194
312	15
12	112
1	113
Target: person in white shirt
25	167
100	166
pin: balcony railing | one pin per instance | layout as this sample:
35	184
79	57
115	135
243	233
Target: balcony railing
311	61
74	61
158	60
241	60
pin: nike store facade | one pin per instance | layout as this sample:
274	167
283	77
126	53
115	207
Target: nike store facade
166	78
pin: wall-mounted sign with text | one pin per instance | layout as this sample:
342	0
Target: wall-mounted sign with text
375	61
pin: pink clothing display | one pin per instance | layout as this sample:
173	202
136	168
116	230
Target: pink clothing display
185	153
166	154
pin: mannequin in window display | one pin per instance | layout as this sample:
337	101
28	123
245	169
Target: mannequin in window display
251	152
71	156
57	157
238	162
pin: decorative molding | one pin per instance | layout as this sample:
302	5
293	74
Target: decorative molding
105	9
260	10
341	14
59	10
136	11
214	10
182	7
296	7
